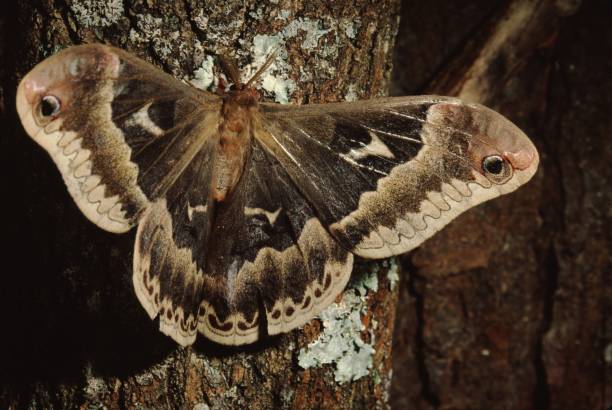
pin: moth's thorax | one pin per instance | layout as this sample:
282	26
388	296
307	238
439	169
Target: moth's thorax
239	108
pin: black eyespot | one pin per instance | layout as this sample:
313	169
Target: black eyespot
493	164
49	106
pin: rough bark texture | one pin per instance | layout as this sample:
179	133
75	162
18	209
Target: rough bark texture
73	333
509	306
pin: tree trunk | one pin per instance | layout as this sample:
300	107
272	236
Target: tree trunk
74	333
508	307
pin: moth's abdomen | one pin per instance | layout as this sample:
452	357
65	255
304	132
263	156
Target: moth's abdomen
234	140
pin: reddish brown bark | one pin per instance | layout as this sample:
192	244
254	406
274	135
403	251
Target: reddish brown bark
507	307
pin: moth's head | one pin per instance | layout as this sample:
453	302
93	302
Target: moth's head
499	152
48	93
243	95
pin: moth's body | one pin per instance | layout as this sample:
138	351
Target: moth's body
235	131
249	213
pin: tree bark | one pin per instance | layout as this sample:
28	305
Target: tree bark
508	307
74	333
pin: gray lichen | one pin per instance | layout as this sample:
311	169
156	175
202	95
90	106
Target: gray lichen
201	20
340	343
351	94
392	272
350	28
97	13
151	29
312	30
165	38
321	38
275	81
204	76
144	379
95	388
309	32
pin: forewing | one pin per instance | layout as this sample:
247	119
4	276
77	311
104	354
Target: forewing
124	130
134	145
385	175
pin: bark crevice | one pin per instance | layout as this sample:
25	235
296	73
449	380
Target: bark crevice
420	346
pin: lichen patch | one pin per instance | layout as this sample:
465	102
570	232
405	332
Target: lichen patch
97	13
204	76
340	343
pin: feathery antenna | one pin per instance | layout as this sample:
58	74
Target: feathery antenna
264	67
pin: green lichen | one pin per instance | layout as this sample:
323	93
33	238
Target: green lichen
340	342
97	13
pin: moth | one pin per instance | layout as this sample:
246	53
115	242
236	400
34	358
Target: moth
249	213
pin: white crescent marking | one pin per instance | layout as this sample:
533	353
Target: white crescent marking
142	119
375	148
259	211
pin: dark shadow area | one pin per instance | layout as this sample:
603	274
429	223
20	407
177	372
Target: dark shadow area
67	289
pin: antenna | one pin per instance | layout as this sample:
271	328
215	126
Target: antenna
264	67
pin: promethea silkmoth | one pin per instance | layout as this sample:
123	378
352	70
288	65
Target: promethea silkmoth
249	213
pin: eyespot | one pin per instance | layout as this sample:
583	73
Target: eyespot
49	106
496	169
493	164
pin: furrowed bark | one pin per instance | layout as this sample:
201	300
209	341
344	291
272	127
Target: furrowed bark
508	307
